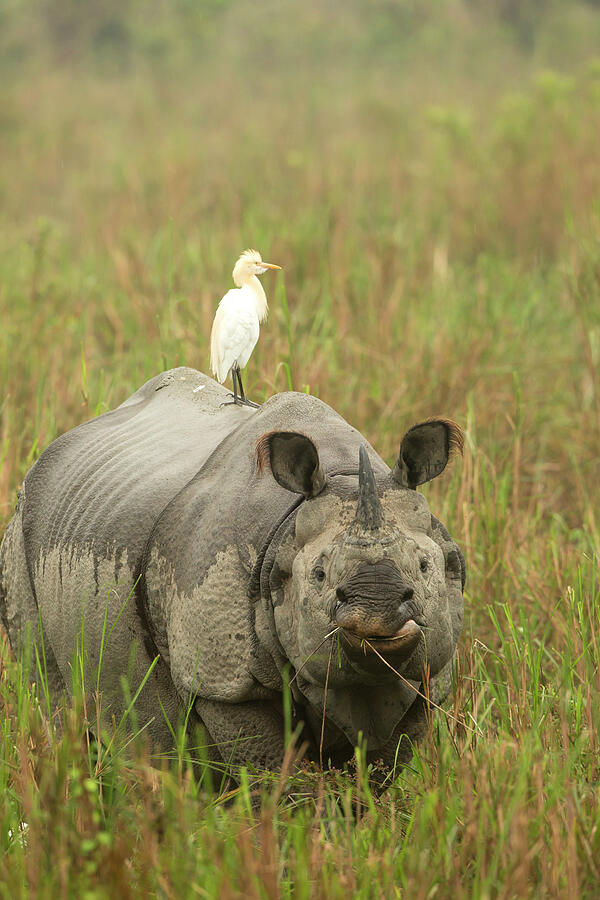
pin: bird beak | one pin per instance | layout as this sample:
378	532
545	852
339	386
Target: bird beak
269	265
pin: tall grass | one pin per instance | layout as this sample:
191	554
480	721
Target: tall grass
427	175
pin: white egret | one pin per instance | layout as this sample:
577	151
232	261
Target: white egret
237	320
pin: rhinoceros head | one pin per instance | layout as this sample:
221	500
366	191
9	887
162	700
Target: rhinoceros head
367	561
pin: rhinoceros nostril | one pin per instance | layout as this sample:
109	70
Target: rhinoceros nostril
341	595
406	595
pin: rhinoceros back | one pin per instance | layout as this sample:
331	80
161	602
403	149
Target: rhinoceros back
104	483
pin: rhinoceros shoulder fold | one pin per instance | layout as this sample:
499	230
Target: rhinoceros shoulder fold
204	629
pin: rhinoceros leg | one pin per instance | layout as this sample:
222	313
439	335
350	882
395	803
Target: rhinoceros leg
19	610
245	733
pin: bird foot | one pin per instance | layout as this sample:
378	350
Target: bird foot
237	401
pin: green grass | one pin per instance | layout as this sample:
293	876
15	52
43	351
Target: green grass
427	175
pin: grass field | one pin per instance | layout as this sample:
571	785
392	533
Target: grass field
428	176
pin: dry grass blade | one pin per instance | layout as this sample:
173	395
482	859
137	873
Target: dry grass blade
316	650
325	703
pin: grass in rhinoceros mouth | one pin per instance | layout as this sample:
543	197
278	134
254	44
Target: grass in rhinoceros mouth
427	175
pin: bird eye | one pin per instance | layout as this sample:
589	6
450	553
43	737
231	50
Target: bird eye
424	565
319	574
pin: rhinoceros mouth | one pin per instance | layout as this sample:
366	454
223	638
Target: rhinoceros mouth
403	641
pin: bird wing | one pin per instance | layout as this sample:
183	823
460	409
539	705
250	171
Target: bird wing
234	333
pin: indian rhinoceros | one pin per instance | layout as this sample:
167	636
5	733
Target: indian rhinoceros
239	550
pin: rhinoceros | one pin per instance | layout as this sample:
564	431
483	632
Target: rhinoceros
229	552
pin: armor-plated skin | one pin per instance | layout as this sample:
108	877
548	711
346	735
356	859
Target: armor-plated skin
229	543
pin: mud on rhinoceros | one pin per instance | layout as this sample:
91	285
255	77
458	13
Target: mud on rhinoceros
237	549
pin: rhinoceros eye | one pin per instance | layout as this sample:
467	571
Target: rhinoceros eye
424	564
319	574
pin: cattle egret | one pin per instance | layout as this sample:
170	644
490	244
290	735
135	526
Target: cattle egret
236	326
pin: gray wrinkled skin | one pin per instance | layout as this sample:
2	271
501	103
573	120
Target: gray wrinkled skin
157	518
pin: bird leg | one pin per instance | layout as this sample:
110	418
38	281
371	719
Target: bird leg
235	399
243	398
236	377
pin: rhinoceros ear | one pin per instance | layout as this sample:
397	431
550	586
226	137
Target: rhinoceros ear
293	460
425	451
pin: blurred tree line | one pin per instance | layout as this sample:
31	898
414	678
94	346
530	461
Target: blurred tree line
113	35
107	34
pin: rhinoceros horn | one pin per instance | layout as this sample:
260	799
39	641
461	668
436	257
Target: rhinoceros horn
369	514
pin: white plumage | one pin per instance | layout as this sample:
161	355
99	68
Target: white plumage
237	322
235	331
